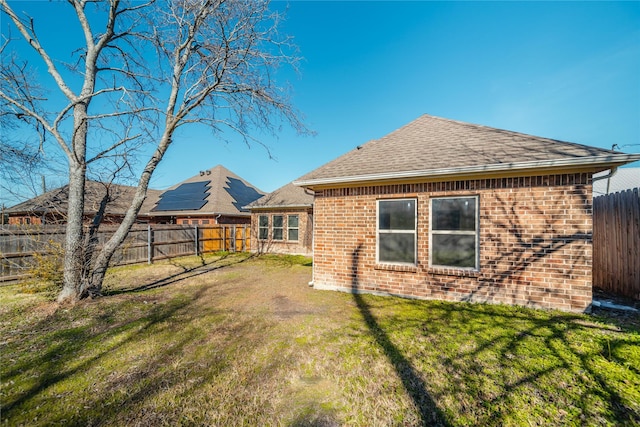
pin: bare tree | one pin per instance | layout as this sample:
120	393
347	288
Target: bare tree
143	72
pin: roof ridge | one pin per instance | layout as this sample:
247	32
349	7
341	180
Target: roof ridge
509	132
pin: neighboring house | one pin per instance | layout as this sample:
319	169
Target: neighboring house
51	207
621	180
282	221
441	209
214	196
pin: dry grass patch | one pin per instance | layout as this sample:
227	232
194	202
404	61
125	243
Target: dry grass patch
232	340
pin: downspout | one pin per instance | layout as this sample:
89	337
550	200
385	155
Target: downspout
608	176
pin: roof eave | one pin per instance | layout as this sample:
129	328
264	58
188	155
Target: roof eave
294	206
195	213
466	171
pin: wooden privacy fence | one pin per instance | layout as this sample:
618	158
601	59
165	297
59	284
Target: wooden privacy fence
616	243
145	243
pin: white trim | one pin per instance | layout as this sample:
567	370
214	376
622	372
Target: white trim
604	160
252	208
415	231
476	232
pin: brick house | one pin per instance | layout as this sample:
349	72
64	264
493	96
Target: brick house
282	221
441	209
51	207
213	196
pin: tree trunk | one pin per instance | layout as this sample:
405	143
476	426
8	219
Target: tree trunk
74	243
74	239
95	276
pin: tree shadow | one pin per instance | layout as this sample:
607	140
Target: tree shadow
553	335
51	367
515	250
186	273
411	379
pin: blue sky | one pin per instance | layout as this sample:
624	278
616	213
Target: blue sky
569	71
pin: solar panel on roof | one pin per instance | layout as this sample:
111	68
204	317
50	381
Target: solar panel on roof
190	196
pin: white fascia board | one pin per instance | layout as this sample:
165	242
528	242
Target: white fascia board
605	160
278	207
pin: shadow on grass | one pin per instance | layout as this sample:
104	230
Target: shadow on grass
65	348
186	273
563	363
412	381
504	363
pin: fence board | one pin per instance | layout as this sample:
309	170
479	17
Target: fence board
143	244
616	243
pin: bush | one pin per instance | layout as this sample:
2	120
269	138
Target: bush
46	270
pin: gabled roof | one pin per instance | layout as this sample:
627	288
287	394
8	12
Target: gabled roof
56	201
287	196
222	191
623	179
433	147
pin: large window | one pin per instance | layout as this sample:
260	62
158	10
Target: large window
263	227
292	227
454	232
397	231
278	229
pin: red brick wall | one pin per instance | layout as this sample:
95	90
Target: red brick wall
535	242
303	246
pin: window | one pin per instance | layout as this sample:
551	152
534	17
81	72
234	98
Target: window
397	231
185	221
263	227
205	222
454	232
278	223
292	227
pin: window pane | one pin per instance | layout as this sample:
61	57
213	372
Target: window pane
293	234
277	234
277	221
293	221
263	233
454	214
453	250
396	247
264	221
397	215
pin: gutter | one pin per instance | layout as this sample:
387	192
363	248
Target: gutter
612	160
252	208
607	177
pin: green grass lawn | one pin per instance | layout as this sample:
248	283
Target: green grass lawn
233	340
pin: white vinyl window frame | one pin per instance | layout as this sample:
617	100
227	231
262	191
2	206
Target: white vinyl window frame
443	232
293	227
383	233
277	227
263	227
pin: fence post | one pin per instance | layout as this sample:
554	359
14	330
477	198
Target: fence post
149	244
224	238
233	238
197	240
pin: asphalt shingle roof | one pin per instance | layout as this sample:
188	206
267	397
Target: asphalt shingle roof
56	201
432	143
227	194
289	195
